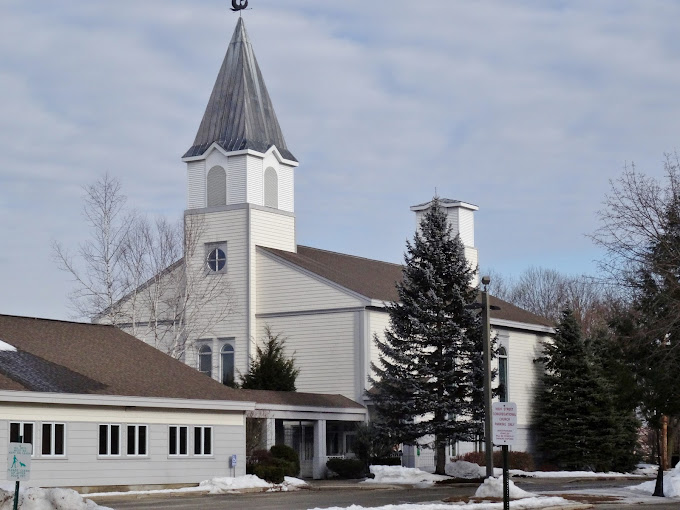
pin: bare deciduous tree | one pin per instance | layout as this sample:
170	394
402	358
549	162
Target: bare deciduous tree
133	274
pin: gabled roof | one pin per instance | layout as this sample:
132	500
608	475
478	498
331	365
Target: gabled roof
377	280
71	357
240	114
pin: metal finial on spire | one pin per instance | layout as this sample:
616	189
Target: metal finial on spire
239	5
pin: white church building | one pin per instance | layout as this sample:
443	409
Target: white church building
241	190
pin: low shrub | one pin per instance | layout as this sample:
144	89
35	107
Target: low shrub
281	451
516	460
346	468
270	473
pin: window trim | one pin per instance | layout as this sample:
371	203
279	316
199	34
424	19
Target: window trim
21	434
209	249
53	443
178	441
205	344
227	342
136	427
203	429
109	438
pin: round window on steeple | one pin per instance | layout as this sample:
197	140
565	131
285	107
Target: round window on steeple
217	259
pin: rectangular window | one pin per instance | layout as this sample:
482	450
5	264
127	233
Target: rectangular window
136	439
21	429
109	440
202	440
53	439
177	440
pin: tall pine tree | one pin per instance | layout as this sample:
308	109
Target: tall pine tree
575	418
270	369
430	361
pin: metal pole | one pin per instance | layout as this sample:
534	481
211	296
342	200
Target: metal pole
16	486
506	479
486	331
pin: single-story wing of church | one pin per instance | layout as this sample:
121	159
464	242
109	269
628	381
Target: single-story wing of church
102	408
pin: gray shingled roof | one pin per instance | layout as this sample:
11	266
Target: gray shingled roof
240	114
375	279
72	357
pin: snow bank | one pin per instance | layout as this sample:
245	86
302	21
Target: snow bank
219	486
227	484
646	469
671	484
34	498
522	504
464	469
402	475
564	474
493	488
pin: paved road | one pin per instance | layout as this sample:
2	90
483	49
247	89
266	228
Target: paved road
302	500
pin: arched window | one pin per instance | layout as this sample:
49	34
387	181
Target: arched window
227	356
271	188
205	360
503	373
217	186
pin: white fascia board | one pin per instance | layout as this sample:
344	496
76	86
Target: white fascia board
365	301
34	397
216	147
522	325
302	412
447	205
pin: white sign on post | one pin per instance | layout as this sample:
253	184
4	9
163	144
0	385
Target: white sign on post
504	416
19	462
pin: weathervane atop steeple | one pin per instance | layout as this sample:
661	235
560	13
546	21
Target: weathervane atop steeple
239	5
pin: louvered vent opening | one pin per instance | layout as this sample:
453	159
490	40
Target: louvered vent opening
271	188
217	186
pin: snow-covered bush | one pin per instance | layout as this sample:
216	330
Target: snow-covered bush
463	469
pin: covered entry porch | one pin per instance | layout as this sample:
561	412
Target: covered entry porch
315	426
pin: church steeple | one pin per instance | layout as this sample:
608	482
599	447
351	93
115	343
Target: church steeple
240	114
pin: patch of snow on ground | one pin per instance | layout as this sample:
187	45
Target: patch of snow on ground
34	498
295	482
564	474
464	469
646	469
401	475
493	488
521	504
671	484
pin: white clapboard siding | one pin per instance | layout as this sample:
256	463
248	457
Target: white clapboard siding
377	323
272	230
286	188
237	179
255	180
83	467
195	184
231	227
282	288
466	226
523	373
323	348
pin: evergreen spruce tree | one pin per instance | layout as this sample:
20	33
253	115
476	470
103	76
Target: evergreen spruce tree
270	370
427	379
575	420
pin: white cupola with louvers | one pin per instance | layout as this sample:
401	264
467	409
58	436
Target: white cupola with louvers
462	220
239	154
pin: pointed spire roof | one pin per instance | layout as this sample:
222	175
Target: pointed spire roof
240	114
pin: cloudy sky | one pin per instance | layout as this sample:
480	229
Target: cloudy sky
524	108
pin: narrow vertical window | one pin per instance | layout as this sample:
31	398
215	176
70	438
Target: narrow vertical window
217	186
202	440
109	440
53	439
23	430
136	440
271	188
503	373
178	440
205	360
227	362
